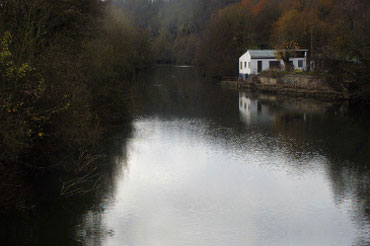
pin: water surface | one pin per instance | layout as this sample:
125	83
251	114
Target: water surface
212	166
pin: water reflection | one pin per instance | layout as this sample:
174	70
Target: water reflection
75	221
252	111
208	166
194	193
339	134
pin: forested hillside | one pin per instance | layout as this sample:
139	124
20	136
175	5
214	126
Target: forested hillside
215	33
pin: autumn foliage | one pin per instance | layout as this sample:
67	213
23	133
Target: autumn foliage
334	31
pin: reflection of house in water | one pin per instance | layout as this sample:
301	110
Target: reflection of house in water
253	112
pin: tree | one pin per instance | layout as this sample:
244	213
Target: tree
303	24
229	34
285	52
348	53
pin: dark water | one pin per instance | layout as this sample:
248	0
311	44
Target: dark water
206	165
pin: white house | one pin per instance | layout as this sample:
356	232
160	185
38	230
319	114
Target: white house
256	61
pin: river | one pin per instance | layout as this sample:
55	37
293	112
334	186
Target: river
206	165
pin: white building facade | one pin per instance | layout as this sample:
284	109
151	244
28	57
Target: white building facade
256	61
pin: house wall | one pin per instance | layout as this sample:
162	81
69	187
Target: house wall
266	64
244	59
253	68
249	63
295	63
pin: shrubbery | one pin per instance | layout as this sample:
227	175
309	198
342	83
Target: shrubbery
65	72
27	104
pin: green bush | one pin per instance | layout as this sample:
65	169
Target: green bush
25	107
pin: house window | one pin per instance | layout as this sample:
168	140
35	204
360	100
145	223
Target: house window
300	63
249	64
241	65
245	64
274	64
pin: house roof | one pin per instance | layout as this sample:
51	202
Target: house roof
260	54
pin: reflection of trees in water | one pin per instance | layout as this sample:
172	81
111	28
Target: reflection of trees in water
305	129
174	93
72	221
90	230
344	140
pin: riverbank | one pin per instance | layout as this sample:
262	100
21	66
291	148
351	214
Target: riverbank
289	84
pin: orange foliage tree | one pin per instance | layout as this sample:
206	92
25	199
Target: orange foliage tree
305	24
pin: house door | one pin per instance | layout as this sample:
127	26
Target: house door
259	66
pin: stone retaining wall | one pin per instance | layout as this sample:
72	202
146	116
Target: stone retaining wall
303	82
292	84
